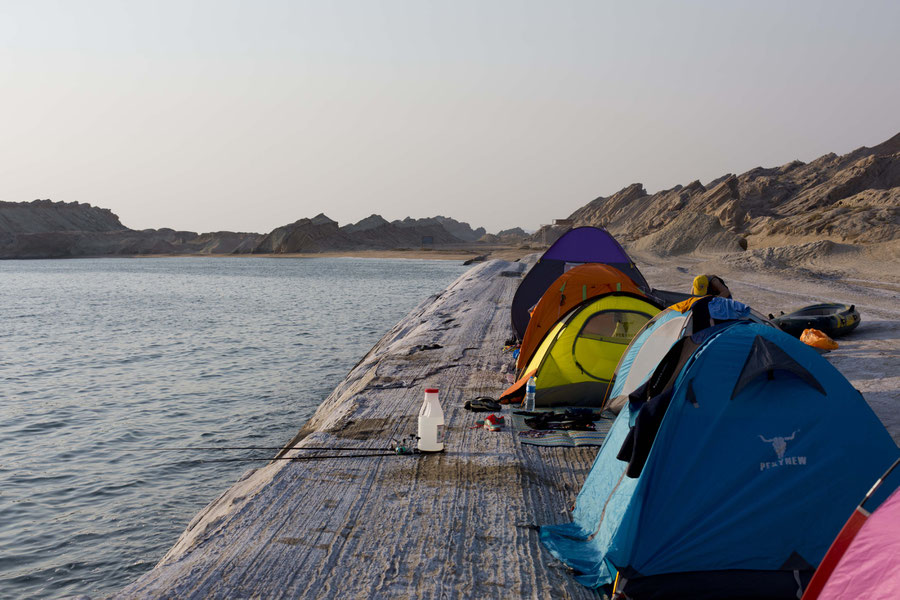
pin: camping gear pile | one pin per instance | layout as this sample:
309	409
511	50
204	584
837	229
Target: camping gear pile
738	451
578	419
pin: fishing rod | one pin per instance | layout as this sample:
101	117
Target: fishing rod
297	458
404	446
329	448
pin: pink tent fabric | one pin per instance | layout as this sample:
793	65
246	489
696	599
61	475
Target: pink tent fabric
871	566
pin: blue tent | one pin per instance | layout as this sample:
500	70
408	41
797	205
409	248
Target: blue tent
576	246
738	467
652	342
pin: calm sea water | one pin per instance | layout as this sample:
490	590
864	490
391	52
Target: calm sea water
103	360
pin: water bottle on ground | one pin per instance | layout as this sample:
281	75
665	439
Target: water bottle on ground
431	423
530	390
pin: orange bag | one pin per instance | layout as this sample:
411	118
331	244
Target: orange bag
817	339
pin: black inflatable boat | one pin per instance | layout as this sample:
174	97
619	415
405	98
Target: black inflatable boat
834	320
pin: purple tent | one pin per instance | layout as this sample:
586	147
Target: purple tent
587	245
576	246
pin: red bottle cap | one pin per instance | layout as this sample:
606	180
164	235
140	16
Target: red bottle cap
431	390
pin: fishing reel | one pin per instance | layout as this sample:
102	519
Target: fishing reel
406	445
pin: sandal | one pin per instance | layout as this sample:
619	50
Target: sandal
482	404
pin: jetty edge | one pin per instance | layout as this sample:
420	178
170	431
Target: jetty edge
456	524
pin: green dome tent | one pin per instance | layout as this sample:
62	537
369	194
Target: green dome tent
574	363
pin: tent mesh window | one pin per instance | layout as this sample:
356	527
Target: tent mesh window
613	326
591	349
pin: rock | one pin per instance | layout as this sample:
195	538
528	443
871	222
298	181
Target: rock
459	231
321	219
319	234
507	236
45	216
376	232
370	222
691	232
515	232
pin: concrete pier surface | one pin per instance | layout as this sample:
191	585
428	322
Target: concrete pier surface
459	524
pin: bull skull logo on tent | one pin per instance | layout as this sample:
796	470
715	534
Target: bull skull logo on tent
779	444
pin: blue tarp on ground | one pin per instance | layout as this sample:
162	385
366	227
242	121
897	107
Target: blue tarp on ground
760	482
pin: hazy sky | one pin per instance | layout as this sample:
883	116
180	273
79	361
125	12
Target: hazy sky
249	115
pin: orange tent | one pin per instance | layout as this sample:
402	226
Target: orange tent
568	291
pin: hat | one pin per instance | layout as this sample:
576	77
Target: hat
701	284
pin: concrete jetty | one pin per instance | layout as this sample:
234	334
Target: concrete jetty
459	524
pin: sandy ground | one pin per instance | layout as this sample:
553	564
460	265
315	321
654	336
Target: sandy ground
869	356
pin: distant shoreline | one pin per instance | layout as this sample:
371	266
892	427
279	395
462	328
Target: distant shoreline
510	253
505	253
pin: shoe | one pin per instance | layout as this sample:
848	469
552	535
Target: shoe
494	420
482	404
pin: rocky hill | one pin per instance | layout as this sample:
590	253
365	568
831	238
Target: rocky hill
507	236
45	229
319	234
459	230
376	232
44	216
851	198
127	242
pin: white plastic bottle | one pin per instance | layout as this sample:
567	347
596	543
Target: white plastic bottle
530	390
431	423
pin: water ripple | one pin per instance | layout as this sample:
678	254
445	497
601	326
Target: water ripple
103	361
